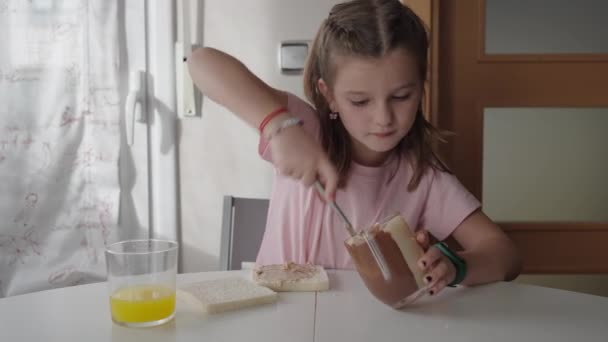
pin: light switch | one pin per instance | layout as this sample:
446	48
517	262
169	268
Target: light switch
292	56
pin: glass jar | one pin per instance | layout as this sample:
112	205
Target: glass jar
397	243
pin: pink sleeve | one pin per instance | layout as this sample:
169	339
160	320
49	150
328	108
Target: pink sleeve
300	109
447	205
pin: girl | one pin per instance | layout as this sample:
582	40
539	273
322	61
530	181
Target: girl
366	140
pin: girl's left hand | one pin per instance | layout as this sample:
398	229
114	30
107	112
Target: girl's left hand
439	270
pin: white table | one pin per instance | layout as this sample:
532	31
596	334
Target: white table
498	312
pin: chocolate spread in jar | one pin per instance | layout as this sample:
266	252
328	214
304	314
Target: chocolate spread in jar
401	283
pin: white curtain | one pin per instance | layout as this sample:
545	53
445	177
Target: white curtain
59	141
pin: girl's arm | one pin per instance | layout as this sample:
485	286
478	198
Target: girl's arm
489	253
227	81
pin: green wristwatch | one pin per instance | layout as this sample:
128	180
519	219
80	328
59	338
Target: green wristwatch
459	263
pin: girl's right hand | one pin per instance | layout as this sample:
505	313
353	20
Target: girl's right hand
298	155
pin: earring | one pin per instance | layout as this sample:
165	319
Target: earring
333	115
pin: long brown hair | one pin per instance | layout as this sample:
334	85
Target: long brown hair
370	28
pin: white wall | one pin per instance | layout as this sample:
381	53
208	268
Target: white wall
218	153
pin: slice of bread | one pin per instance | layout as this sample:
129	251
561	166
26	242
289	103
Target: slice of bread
406	241
292	277
227	294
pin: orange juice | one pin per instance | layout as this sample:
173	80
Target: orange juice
140	304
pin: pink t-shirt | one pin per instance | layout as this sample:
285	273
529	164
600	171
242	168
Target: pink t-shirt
302	228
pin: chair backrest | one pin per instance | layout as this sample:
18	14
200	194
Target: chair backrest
244	222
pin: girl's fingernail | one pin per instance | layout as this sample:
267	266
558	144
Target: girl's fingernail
431	292
423	263
428	279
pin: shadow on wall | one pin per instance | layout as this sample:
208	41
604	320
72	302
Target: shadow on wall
191	254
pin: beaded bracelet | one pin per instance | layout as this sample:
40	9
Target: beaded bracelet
283	125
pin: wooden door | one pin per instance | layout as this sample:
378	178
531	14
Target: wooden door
472	81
